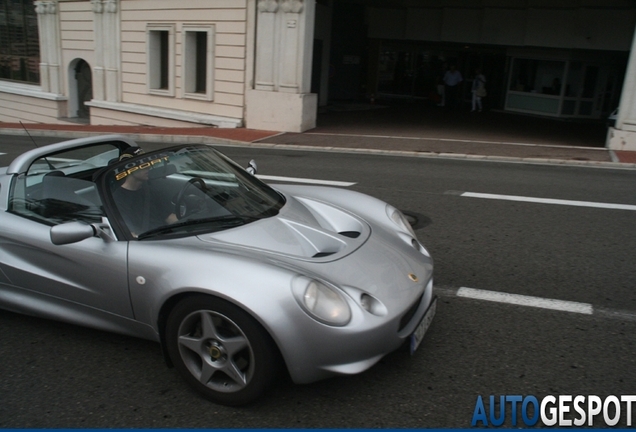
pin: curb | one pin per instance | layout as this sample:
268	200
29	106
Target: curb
186	139
224	142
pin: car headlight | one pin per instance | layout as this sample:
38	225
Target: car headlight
322	302
400	220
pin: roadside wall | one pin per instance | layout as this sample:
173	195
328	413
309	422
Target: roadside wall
112	37
227	18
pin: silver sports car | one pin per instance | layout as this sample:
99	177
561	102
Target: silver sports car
235	278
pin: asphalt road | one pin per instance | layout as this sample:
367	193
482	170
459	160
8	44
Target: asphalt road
56	375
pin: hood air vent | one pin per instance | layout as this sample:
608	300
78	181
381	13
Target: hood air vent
350	234
323	254
333	219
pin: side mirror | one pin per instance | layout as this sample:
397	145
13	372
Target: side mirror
251	167
71	232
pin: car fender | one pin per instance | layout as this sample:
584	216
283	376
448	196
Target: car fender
161	272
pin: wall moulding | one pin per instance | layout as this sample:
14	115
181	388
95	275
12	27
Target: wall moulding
292	6
267	6
98	7
110	6
101	6
46	7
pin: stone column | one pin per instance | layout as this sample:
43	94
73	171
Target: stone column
49	45
40	10
291	39
106	68
279	99
111	49
99	80
266	45
297	45
623	135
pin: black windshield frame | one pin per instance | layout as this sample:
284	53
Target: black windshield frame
171	168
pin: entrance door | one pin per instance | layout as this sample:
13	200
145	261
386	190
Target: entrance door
84	82
404	70
597	91
396	71
606	94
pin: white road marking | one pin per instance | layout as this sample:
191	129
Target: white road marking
455	140
537	302
550	201
522	300
305	180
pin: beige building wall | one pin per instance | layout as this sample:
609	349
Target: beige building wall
123	42
227	18
84	29
76	34
30	106
227	22
77	42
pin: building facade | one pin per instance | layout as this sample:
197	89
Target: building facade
269	64
158	62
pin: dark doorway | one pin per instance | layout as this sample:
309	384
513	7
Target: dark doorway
348	55
84	82
316	66
415	69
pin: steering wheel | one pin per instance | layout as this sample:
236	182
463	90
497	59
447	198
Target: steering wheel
183	208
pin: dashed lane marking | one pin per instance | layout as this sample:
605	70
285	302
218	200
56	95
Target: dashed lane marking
306	180
537	302
523	300
549	201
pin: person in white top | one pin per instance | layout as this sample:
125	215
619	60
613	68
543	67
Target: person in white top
478	90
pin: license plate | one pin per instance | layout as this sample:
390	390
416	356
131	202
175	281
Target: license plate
418	335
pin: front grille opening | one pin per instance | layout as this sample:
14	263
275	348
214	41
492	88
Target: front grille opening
406	318
350	234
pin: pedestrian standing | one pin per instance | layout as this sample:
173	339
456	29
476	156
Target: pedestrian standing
452	80
440	85
478	90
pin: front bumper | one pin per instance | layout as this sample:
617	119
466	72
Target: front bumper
326	351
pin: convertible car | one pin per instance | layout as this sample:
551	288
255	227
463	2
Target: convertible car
237	280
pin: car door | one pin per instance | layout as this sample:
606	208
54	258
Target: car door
91	273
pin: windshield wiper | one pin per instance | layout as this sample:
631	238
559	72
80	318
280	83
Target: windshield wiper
222	221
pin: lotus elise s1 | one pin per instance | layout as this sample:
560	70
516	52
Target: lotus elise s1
236	279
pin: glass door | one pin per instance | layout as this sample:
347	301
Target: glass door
589	91
606	100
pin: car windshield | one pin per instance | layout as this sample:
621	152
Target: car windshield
186	191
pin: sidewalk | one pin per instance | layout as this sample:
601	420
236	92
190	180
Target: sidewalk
405	130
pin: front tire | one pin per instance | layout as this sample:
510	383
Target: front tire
220	350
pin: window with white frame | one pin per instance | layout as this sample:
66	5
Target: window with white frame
198	62
19	41
537	76
160	59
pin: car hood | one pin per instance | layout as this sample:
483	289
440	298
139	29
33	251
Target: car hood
305	229
316	234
